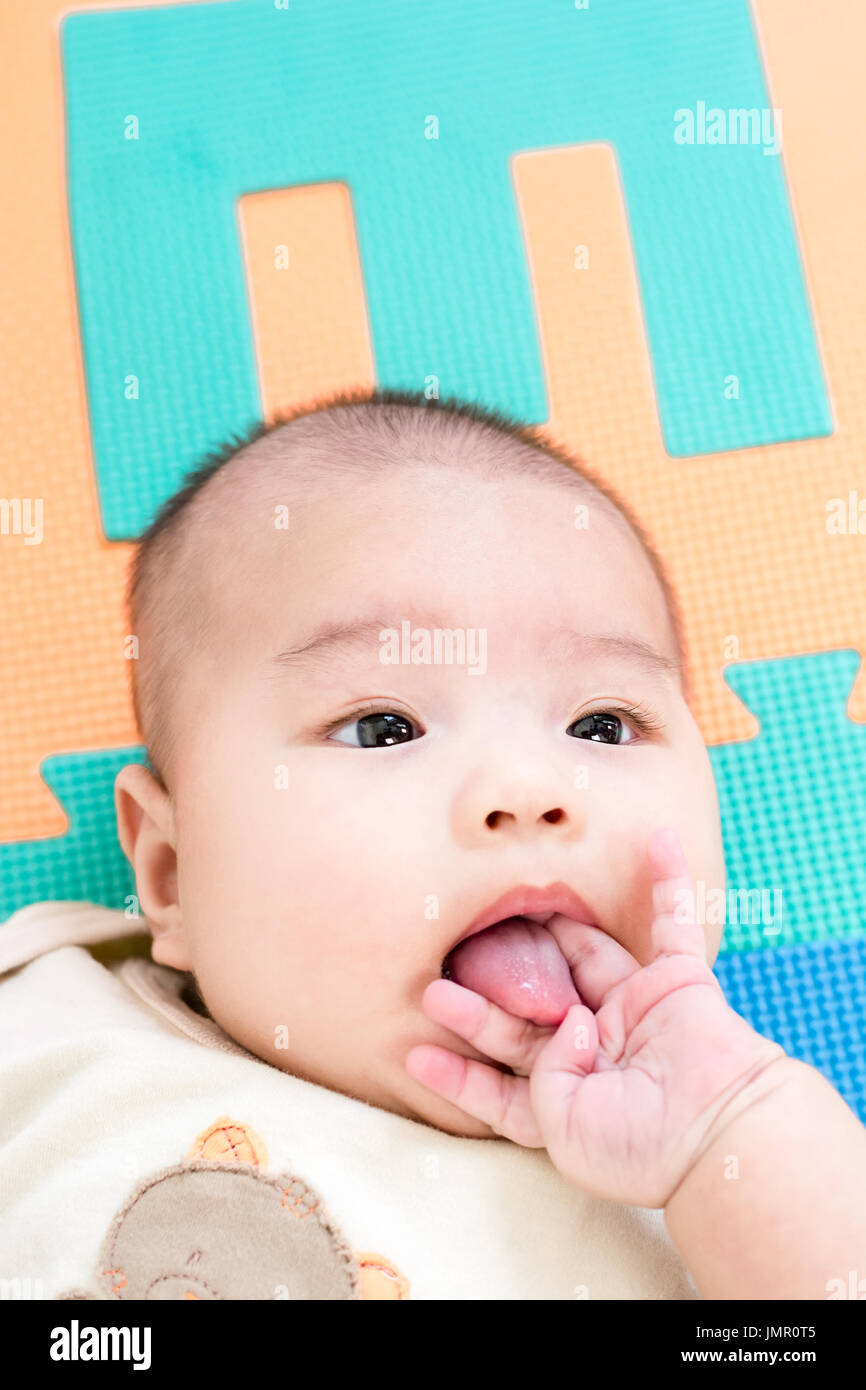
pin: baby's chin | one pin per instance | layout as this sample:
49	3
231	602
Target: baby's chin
429	1109
401	1097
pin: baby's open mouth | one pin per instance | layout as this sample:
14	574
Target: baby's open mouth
517	964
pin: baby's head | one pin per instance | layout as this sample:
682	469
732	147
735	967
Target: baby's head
396	658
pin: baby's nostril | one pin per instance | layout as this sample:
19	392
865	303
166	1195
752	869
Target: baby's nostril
492	819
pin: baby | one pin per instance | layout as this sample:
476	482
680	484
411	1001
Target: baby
425	791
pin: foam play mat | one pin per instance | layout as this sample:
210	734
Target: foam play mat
562	210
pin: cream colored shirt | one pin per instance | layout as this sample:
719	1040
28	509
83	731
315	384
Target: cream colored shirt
145	1154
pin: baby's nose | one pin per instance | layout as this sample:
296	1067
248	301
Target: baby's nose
506	795
496	819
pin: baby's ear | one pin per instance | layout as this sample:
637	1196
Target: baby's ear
145	828
136	794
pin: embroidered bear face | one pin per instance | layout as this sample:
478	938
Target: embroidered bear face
221	1228
205	1229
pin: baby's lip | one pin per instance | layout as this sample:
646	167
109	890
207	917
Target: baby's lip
536	903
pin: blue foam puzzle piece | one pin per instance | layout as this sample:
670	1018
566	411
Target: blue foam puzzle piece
812	1001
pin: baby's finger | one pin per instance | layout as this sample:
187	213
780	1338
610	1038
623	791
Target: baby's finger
500	1035
568	1060
674	929
497	1099
597	962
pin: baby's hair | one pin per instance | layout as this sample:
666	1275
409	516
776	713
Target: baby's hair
346	435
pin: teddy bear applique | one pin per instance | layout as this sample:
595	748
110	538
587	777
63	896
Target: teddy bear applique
219	1226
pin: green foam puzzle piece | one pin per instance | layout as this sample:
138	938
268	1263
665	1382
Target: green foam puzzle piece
235	98
793	801
86	863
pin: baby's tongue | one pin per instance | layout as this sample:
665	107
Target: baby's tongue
517	965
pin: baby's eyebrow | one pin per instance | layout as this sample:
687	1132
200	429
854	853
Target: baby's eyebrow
622	646
338	640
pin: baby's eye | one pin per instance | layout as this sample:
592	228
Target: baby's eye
379	730
601	726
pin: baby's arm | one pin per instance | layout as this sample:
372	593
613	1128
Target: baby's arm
775	1207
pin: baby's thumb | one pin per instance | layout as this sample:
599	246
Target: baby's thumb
562	1063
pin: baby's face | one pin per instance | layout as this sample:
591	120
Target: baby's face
330	856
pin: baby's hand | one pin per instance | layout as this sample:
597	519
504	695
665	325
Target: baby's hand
627	1093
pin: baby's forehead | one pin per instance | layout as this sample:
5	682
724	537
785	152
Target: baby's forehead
284	494
333	554
275	525
277	499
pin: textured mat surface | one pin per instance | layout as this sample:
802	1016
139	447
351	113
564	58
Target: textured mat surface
147	318
812	1001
